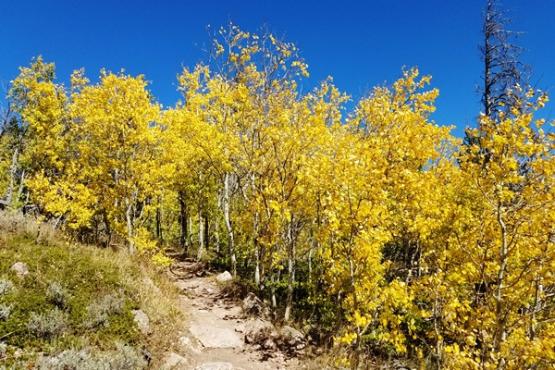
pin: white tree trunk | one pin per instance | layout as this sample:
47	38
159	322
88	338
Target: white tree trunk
200	250
291	255
13	170
130	233
227	219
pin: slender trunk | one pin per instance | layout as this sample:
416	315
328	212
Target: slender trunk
201	224
290	283
273	291
257	266
500	327
129	219
487	77
21	185
310	252
355	298
13	170
159	235
291	271
359	330
256	252
206	231
217	226
418	259
108	228
439	337
227	219
190	230
217	236
183	222
257	246
538	302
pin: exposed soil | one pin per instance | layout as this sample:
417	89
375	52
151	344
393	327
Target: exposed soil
215	332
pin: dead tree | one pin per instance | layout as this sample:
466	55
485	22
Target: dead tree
505	77
504	74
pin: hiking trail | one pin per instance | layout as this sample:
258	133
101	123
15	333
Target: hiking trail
214	336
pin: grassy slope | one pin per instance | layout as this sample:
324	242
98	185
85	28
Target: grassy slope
100	288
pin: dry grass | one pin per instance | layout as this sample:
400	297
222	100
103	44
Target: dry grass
15	223
158	298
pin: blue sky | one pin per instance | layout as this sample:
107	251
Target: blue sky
359	43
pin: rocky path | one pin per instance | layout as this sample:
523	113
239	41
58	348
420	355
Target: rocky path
217	327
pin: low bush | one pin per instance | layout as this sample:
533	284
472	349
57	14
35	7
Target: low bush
49	324
100	310
5	286
123	357
57	295
5	311
3	350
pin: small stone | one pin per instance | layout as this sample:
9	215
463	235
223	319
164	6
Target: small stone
224	276
213	336
252	305
188	344
291	340
269	344
173	361
257	331
146	355
20	269
291	335
215	366
142	321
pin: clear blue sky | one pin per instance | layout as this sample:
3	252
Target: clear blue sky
359	43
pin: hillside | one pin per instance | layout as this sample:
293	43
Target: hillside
66	306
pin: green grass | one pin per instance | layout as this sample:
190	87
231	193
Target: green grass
86	275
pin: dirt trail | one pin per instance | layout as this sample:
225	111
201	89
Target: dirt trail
214	338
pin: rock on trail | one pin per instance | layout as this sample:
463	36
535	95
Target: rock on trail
210	332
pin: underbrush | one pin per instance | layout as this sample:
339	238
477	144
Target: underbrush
76	303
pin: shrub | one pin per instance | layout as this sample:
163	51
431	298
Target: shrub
57	295
5	311
5	286
100	310
50	324
67	360
123	358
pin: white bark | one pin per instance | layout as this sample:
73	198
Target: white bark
200	251
129	220
227	219
13	170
